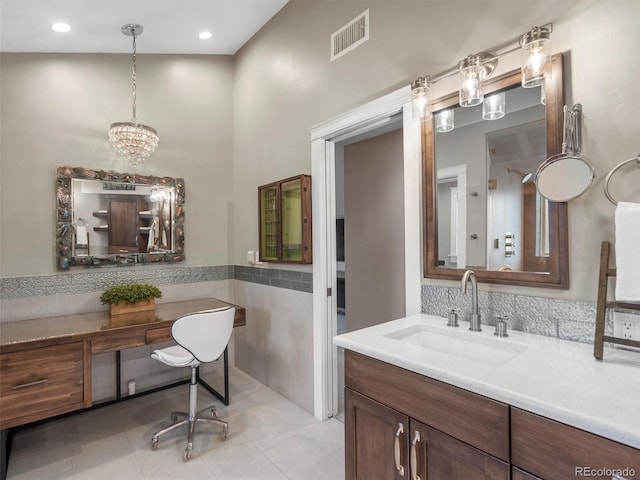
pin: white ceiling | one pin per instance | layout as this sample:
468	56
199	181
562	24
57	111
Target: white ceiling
170	26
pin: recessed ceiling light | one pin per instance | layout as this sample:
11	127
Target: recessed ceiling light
61	27
204	35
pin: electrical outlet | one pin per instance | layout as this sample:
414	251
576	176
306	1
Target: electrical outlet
626	325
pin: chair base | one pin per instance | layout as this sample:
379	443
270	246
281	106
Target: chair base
208	415
178	419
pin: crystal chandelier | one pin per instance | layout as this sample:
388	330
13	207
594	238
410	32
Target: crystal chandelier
132	140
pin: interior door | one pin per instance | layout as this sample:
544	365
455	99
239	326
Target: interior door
123	224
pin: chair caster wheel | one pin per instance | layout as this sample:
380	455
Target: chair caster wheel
186	455
154	444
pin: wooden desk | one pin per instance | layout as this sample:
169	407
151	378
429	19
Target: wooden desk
45	363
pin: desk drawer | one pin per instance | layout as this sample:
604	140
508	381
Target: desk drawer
40	382
117	340
158	335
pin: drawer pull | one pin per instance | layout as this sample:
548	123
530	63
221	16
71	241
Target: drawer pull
414	457
30	384
396	451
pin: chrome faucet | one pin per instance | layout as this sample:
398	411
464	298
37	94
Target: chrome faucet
474	317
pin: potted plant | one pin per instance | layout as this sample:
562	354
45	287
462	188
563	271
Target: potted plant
133	297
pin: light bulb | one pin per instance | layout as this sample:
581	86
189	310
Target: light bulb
420	99
536	60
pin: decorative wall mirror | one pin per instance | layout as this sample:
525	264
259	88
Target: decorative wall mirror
482	210
115	219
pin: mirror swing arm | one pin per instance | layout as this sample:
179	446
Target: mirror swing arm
113	182
558	275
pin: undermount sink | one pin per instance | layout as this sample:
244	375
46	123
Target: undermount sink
459	343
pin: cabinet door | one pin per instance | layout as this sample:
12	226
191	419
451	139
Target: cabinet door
437	456
375	440
123	224
269	224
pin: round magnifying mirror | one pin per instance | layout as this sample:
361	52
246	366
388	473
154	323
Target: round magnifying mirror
564	178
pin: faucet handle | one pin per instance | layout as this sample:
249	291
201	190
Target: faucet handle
453	318
501	326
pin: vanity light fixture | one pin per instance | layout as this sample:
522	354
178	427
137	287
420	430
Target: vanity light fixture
536	56
444	121
132	140
421	106
493	106
473	70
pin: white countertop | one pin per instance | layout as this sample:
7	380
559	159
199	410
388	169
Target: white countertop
555	378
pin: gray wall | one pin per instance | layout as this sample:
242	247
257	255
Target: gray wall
56	110
286	83
374	231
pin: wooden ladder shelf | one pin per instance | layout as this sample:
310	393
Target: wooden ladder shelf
603	304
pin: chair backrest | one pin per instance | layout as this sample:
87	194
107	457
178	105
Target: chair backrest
205	334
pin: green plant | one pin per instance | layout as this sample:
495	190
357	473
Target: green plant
130	293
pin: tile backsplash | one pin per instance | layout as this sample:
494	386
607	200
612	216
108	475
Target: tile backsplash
566	319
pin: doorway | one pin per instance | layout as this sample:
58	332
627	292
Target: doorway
369	233
324	140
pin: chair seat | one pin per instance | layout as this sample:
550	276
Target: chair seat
175	356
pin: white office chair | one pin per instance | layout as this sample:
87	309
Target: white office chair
201	337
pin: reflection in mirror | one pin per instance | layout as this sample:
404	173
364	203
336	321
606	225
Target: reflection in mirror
483	211
109	218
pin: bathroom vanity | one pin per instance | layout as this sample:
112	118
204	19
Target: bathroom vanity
426	401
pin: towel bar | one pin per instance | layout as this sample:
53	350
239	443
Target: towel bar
611	173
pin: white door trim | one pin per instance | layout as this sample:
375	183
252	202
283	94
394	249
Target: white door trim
354	122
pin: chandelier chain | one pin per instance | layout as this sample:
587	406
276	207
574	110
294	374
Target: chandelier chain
133	77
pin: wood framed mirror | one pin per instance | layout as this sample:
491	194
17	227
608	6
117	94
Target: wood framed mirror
106	218
481	208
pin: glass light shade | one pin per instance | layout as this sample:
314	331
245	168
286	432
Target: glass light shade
444	121
536	57
471	75
420	99
133	141
493	107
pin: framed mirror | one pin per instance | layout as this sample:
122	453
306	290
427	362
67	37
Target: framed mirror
481	208
116	219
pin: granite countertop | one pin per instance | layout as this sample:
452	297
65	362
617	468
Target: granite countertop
78	326
554	378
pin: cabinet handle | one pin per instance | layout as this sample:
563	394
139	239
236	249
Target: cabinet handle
414	457
30	384
396	452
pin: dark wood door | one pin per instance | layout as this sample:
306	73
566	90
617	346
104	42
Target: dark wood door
123	224
437	456
375	439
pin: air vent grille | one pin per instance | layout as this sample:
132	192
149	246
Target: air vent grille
353	34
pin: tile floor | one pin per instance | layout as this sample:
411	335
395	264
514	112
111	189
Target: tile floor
269	438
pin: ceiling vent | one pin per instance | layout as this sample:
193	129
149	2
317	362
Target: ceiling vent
353	34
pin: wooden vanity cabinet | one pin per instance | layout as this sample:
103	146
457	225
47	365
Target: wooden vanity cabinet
457	434
38	383
438	431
